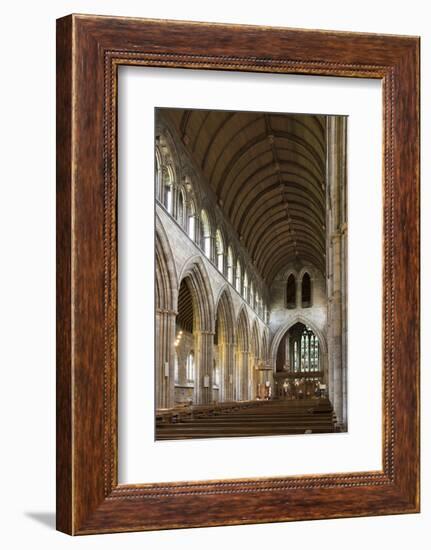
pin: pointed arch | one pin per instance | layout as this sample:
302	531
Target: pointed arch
291	292
224	340
225	313
158	173
199	282
255	340
166	280
166	297
181	207
243	329
282	331
168	149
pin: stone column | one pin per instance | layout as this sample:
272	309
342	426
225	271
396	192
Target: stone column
165	358
245	390
336	229
204	346
298	292
229	372
241	378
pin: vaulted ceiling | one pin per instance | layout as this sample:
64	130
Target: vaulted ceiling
268	173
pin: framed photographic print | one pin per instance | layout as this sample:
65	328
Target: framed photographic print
237	274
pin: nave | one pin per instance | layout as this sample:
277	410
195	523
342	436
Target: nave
250	286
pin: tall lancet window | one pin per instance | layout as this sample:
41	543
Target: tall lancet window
220	251
245	287
230	265
306	290
180	209
168	188
191	221
252	295
310	351
159	175
238	277
206	234
291	292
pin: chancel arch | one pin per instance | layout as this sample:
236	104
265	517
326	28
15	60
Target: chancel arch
299	358
294	320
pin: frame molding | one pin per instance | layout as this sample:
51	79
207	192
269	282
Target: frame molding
89	51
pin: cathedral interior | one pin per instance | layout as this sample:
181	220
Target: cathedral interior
251	273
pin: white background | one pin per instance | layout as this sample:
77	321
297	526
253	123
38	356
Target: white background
27	232
141	458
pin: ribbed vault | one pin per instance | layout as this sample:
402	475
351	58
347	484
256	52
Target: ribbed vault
268	172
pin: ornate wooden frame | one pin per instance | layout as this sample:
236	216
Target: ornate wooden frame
89	51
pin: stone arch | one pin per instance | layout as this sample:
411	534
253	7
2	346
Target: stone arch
224	303
312	271
166	286
195	271
169	150
282	331
224	343
196	276
166	297
180	210
320	335
243	328
291	302
255	339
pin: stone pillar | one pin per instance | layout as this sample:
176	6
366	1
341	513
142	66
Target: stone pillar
298	292
336	231
242	376
204	346
229	372
251	377
165	358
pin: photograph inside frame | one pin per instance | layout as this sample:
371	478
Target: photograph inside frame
250	273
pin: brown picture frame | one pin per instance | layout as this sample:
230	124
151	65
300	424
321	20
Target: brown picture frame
89	51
